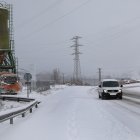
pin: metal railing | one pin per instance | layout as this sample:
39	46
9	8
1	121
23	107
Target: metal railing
18	99
19	111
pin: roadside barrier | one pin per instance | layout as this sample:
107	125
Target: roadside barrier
18	111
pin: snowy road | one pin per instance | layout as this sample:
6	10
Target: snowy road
76	113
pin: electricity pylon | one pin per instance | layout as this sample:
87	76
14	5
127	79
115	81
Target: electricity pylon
77	69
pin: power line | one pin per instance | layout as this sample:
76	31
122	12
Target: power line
117	34
57	19
64	42
31	19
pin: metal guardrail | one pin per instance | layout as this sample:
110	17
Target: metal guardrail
18	99
128	91
134	95
130	94
11	115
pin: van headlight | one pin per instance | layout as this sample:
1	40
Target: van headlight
105	91
120	90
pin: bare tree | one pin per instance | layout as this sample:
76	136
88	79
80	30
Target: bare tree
56	76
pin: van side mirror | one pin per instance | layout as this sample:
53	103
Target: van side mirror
100	86
121	86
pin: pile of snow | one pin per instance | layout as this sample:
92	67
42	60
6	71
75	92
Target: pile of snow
8	105
132	88
133	85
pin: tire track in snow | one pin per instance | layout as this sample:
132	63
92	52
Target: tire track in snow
92	90
116	127
117	121
125	113
72	123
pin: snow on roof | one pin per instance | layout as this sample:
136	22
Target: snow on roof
109	80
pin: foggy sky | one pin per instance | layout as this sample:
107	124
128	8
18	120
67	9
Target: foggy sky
110	31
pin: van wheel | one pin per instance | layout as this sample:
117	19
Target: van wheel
120	97
103	96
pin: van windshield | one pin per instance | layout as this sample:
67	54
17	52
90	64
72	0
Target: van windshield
110	84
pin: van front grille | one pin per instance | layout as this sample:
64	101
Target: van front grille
112	90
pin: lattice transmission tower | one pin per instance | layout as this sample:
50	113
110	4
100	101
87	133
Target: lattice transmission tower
77	69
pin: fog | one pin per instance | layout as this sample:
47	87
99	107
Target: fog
110	31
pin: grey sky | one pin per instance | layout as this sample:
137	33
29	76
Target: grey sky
110	31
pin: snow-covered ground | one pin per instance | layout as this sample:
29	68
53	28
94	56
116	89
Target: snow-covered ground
8	105
132	88
75	113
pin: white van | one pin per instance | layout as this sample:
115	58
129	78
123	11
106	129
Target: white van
108	88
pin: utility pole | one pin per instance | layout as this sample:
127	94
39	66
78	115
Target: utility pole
100	75
63	78
77	69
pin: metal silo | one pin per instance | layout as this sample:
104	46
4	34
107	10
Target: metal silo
7	57
4	32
